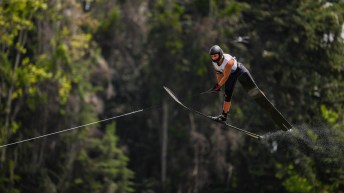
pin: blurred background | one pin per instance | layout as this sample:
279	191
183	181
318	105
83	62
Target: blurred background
65	63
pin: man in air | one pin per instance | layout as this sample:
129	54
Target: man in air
228	71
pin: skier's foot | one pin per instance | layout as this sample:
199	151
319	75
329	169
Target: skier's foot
222	117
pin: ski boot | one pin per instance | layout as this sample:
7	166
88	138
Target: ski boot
220	118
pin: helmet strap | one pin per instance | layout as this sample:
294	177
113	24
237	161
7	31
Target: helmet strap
217	61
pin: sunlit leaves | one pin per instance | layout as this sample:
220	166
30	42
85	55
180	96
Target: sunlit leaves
15	17
64	89
45	60
292	181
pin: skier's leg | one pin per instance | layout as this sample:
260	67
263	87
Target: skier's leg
252	89
229	87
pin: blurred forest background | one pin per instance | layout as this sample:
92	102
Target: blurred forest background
65	63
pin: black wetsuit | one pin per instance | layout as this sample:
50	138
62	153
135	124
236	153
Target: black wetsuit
245	80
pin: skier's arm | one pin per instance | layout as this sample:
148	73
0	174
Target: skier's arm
226	72
219	75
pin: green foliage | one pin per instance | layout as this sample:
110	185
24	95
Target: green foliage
167	18
45	85
329	115
15	17
101	165
53	76
292	181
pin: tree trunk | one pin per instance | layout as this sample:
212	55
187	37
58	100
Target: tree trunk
8	105
164	143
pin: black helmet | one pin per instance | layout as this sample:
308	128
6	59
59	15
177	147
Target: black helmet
216	50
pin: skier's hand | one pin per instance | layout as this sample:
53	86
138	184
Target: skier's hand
217	88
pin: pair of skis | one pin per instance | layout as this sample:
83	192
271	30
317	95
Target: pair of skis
256	136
